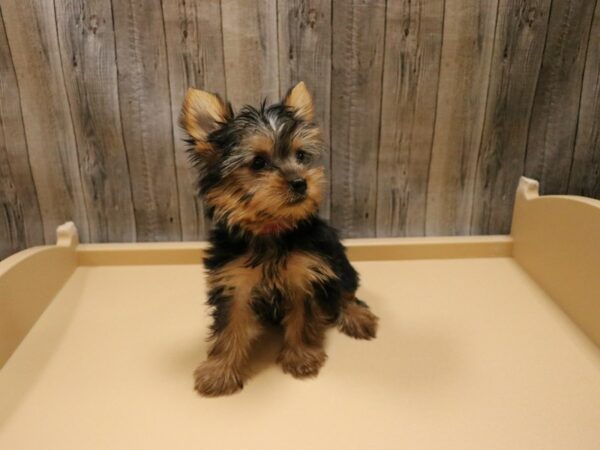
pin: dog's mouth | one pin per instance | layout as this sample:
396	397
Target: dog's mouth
296	199
278	224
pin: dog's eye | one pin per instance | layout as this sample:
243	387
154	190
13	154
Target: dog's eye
302	157
259	163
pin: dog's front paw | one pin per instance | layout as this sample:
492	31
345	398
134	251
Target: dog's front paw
358	321
302	362
213	378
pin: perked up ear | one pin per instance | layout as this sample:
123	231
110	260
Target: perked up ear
299	99
201	114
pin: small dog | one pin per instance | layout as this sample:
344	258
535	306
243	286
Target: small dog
272	260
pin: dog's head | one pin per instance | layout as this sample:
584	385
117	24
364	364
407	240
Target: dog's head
260	169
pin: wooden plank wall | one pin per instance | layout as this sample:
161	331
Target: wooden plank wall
433	108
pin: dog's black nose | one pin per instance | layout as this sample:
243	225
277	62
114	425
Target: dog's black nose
298	185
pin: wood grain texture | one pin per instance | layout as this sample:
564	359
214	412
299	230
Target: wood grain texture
20	218
31	31
466	57
555	113
432	108
250	46
356	79
410	80
87	46
304	55
517	56
146	117
195	58
584	178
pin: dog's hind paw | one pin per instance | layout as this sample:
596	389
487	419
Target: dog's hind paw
357	321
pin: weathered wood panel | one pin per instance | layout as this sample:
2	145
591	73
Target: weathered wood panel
31	31
585	174
517	57
304	55
410	80
87	46
146	117
357	66
250	46
20	218
433	108
195	57
556	106
466	59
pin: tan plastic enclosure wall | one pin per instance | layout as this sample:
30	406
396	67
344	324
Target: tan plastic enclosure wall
28	282
557	241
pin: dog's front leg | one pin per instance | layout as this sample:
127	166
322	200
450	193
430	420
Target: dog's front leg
225	371
235	326
302	354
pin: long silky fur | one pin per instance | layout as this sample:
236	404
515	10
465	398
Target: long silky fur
295	275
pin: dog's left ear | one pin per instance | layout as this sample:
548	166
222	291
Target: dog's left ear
298	98
201	114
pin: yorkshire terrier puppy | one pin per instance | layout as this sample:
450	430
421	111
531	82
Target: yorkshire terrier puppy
272	260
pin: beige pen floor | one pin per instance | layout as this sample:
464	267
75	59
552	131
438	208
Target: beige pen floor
471	354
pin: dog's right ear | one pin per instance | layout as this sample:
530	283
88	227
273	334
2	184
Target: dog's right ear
201	114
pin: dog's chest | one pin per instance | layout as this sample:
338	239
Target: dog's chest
287	282
282	275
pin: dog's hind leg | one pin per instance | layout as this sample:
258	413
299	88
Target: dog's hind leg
356	319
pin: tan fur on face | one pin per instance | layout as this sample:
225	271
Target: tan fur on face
259	144
269	202
306	138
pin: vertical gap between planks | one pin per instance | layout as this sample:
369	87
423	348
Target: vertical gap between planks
537	83
583	72
225	96
381	94
62	72
173	125
350	90
279	93
131	187
330	180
